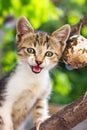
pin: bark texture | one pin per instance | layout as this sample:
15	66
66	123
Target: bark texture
68	117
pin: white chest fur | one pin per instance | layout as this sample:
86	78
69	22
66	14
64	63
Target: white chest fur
25	86
23	90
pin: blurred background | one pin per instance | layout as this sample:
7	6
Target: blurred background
45	15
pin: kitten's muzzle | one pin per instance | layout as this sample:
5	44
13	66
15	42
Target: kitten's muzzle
36	68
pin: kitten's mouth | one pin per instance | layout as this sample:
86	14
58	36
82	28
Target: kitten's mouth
36	69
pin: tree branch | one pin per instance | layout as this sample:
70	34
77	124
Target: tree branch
68	117
77	27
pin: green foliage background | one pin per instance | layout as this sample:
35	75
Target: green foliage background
47	16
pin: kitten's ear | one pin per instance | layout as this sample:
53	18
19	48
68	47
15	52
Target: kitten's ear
62	33
23	27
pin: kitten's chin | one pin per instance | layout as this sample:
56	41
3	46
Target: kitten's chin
36	69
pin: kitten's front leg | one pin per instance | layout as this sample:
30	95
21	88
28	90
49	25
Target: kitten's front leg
6	120
41	112
8	125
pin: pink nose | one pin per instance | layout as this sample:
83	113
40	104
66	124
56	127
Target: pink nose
38	62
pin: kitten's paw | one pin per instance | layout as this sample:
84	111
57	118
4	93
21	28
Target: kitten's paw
38	124
40	121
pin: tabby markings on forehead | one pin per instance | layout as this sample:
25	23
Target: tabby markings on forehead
37	37
41	39
46	41
36	40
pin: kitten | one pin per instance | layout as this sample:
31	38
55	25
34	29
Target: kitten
28	87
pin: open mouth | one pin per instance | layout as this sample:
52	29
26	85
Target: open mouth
36	69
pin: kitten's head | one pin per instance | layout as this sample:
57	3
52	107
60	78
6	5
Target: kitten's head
40	50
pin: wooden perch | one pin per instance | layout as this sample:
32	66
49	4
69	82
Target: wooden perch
68	117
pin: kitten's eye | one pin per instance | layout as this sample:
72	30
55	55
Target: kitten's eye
31	50
49	53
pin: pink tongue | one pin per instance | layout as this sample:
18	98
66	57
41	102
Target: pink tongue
36	69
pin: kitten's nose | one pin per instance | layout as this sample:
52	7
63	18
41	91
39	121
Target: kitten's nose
38	62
